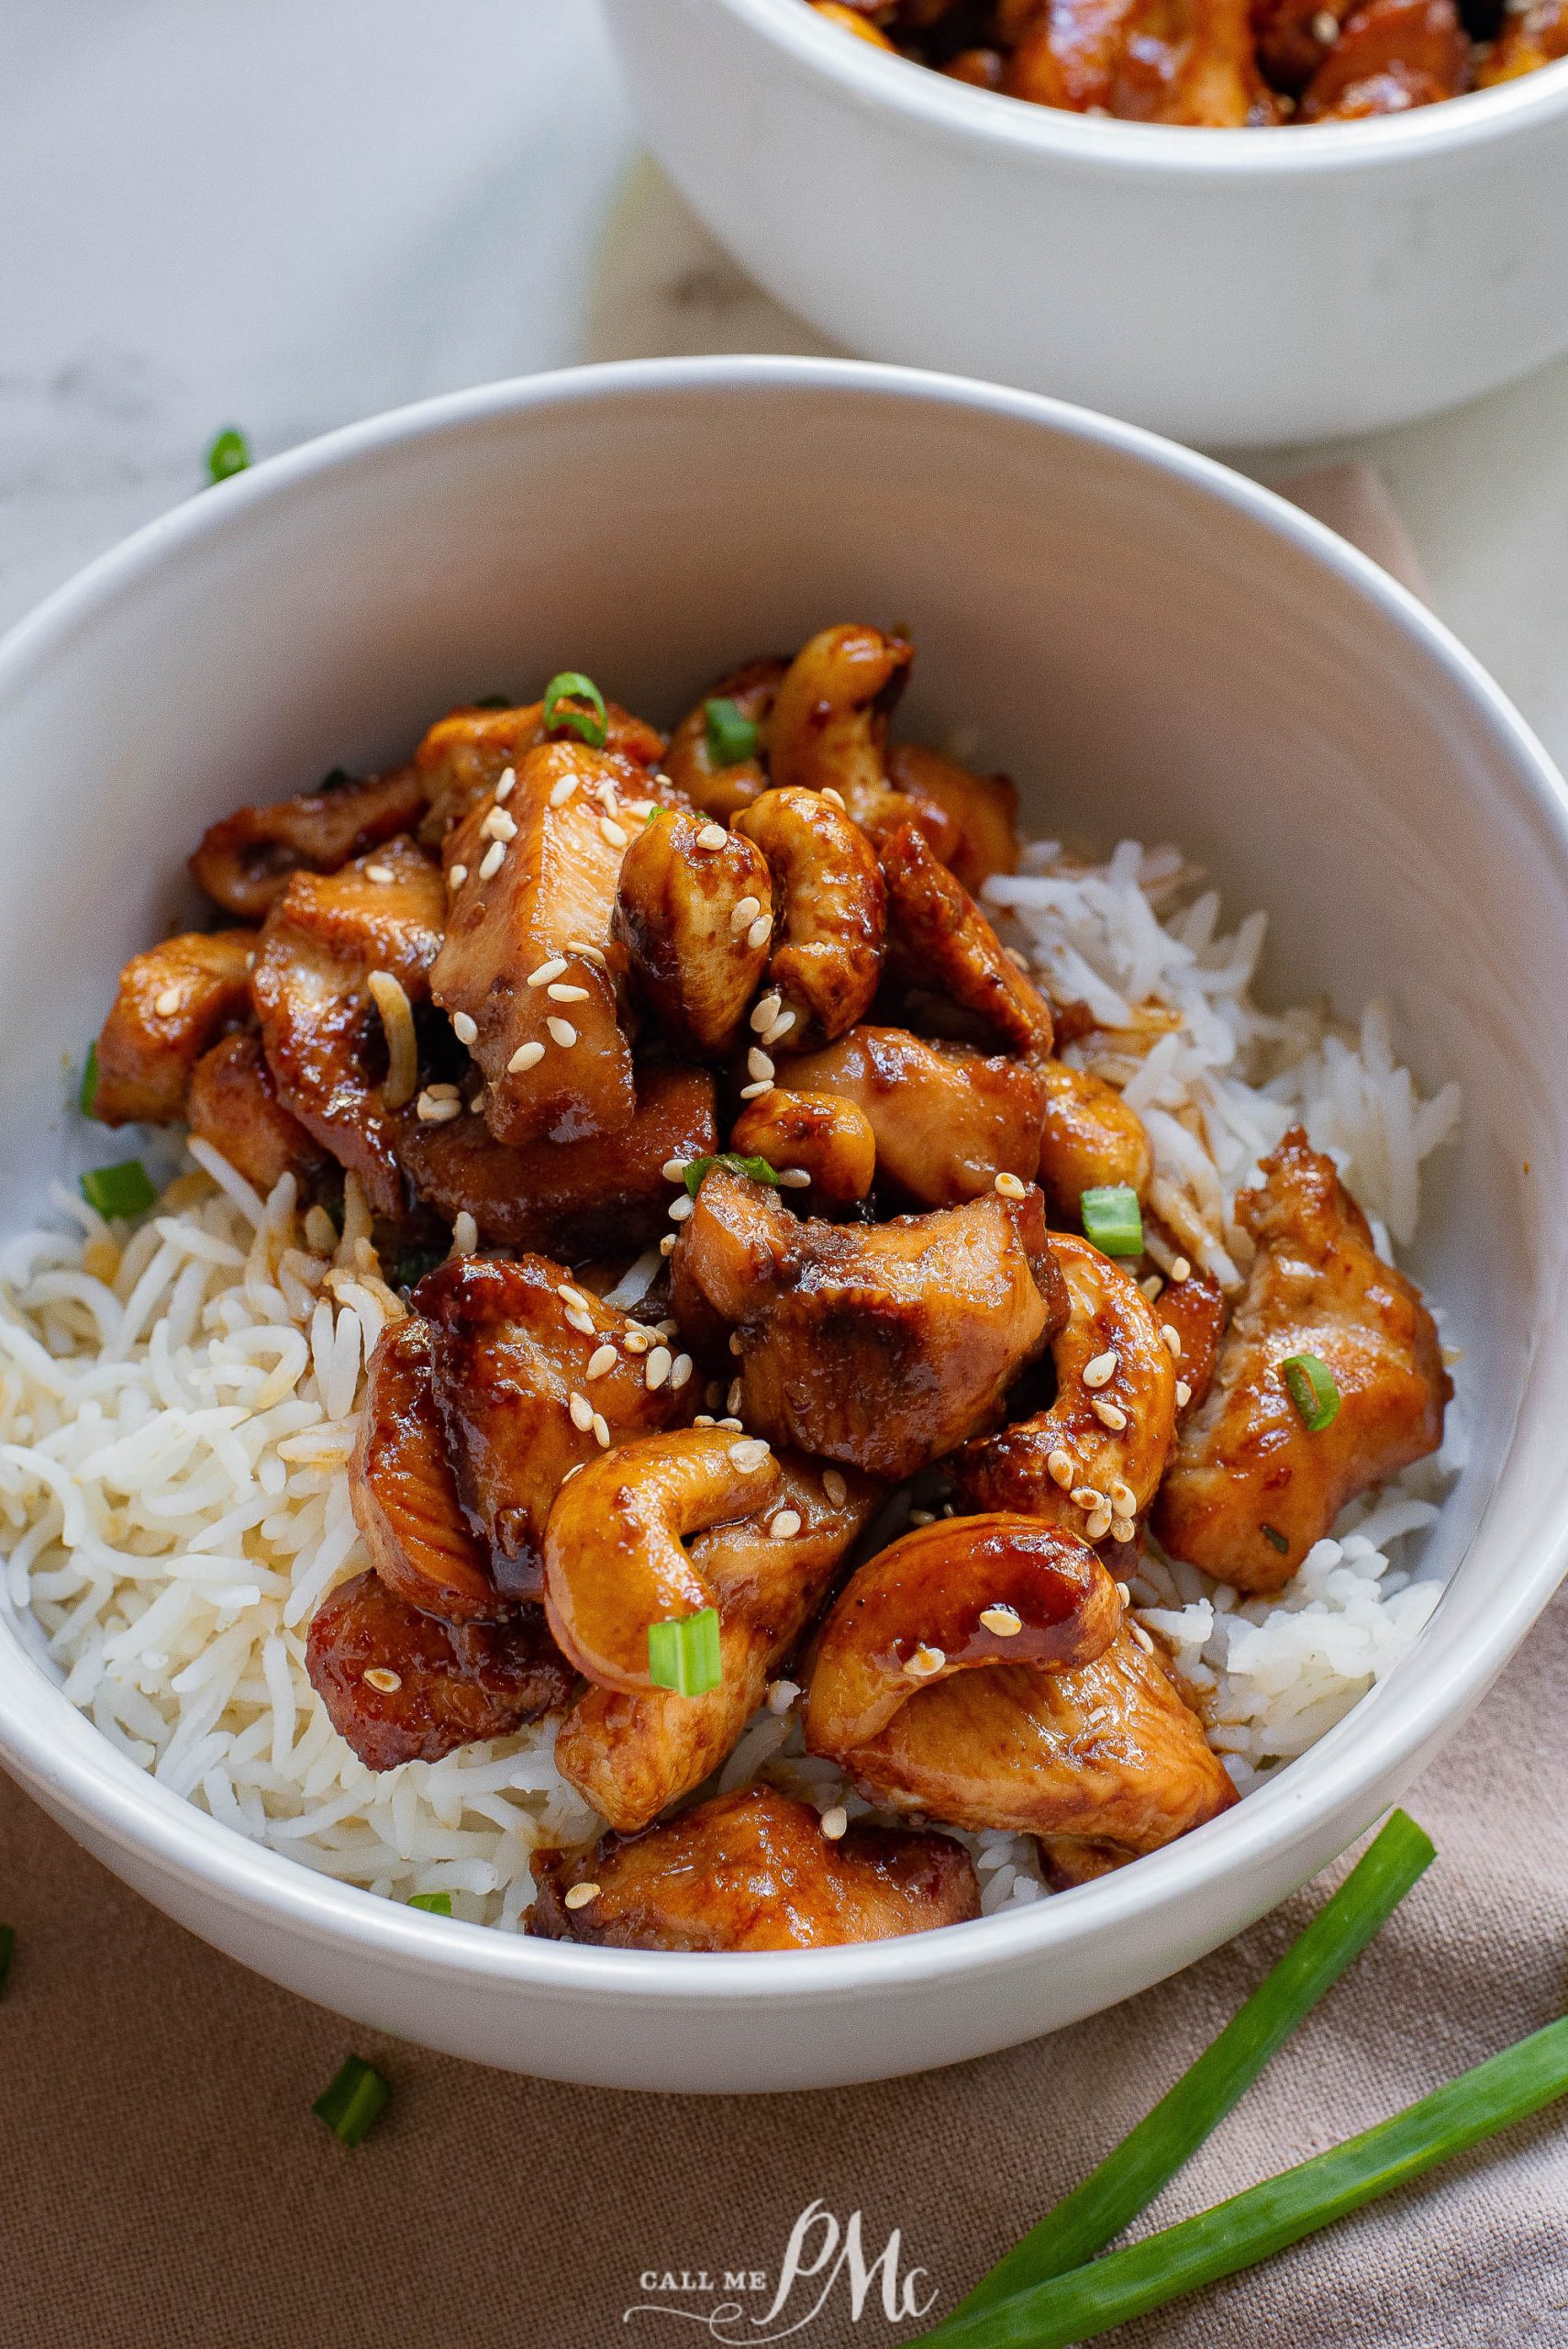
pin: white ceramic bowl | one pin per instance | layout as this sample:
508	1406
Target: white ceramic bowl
1154	646
1232	287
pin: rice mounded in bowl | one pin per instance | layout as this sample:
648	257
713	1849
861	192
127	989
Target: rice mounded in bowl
178	1401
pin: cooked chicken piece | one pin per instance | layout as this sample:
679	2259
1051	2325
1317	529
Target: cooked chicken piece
436	1686
234	1104
1391	55
464	757
878	1345
633	1754
946	1118
1289	35
978	813
1196	1309
1071	53
615	1562
849	20
963	1594
321	1027
171	1005
689	917
983	69
817	1134
828	916
1251	1488
524	955
828	728
248	861
509	1345
1090	1138
1104	1754
1073	1464
940	941
753	1870
1533	39
723	788
604	1196
405	1494
1149	60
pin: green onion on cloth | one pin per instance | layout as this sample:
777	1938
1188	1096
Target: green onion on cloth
7	1951
353	2102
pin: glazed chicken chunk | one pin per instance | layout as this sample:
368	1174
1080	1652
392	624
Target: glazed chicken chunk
234	1104
171	1005
247	861
1251	1487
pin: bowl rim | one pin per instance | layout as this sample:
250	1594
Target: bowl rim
99	1788
891	87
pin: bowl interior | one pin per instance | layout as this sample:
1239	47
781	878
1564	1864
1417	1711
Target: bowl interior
1151	646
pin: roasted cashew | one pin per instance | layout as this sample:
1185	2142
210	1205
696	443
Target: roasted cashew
689	762
962	1593
946	1121
829	729
1090	1138
830	915
819	1134
971	820
1072	1465
614	1564
687	916
941	942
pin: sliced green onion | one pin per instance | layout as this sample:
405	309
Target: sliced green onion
1312	1390
562	713
1276	1539
1268	2218
334	779
684	1655
732	735
1112	1218
757	1168
1129	2178
353	2102
434	1904
125	1189
89	1088
493	701
7	1951
229	454
410	1265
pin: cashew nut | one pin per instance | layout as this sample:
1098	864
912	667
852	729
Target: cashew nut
830	913
829	723
689	762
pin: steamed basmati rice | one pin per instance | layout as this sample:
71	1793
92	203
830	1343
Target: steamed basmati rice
177	1409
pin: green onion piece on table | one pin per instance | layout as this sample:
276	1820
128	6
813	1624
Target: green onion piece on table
565	712
684	1655
757	1168
1112	1220
229	454
89	1092
434	1904
122	1190
1268	2218
1128	2180
7	1951
1312	1390
731	736
353	2102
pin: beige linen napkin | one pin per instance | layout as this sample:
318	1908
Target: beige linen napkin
163	2184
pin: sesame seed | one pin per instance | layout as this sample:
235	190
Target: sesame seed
703	1419
1060	1466
579	1895
766	1009
1183	1393
457	876
1141	1638
1326	27
794	1178
758	1064
761	930
835	798
1099	1525
786	1525
780	1027
835	1821
657	1368
433	1111
782	1695
168	1003
834	1486
490	863
1088	1497
1124	1501
667	1245
668	1328
571	1472
680	1371
601	1431
476	1107
563	791
499	826
1172	1339
675	1170
1122	1528
542	976
736	1342
383	874
1102	1370
636	1340
581	1412
465	1028
581	1322
604	1358
925	1662
590	953
562	1032
526	1056
743	915
570	1296
732	1400
1010	1186
751	1454
733	1424
1110	1415
559	992
380	1677
1006	1621
922	1517
681	1208
507	783
615	833
711	836
1014	956
1181	1271
1124	1594
1151	1286
441	1090
755	1092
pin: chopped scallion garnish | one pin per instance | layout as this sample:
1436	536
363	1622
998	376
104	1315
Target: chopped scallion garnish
1112	1220
684	1655
1128	2180
229	454
434	1904
7	1951
757	1168
351	2105
493	701
89	1091
1276	1539
122	1190
574	705
732	735
1312	1390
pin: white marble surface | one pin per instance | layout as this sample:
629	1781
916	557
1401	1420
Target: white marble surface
285	214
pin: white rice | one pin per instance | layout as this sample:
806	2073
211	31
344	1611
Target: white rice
177	1408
